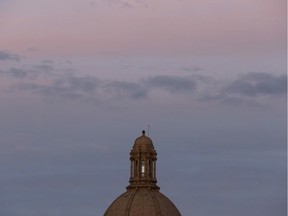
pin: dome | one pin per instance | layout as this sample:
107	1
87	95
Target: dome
143	143
142	202
142	197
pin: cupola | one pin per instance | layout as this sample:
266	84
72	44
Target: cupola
143	196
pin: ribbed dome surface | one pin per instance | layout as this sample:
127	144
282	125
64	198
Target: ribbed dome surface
143	143
142	202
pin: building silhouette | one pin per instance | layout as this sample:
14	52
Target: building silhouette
142	197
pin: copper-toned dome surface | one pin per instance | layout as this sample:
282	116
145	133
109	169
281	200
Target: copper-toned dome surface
142	202
143	143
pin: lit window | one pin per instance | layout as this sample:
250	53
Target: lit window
143	167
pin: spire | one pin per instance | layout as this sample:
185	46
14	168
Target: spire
143	159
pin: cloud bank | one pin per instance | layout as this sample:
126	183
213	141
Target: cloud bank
248	88
172	84
254	84
5	56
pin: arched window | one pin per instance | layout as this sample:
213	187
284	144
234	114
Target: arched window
142	168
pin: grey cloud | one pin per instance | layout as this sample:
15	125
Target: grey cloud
70	87
247	89
28	73
43	68
122	89
75	87
46	68
223	98
4	56
17	73
192	69
83	84
172	84
47	61
253	84
203	78
86	88
53	90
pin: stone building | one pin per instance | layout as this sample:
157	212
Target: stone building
142	197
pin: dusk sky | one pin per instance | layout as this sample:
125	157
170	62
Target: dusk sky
80	80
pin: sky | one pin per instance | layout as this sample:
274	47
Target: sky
80	80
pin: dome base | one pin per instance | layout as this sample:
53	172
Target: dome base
142	202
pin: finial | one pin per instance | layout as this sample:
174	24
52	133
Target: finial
143	132
148	130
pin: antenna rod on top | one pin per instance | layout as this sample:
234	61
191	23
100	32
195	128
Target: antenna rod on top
148	130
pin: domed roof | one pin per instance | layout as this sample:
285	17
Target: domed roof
143	143
142	202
